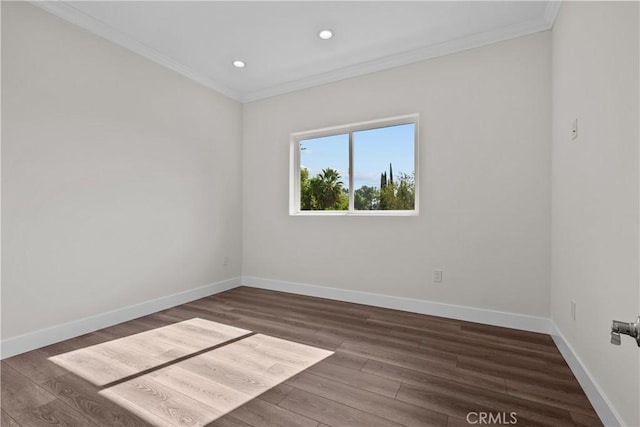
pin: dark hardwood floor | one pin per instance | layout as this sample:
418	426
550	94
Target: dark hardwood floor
390	368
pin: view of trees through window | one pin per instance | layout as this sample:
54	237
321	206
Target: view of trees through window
383	170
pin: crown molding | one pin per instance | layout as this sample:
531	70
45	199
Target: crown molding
75	16
405	58
551	13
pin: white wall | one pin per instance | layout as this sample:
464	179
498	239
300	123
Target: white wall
595	190
484	187
120	179
121	182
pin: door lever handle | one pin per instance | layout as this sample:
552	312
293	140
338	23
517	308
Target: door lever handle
624	328
615	337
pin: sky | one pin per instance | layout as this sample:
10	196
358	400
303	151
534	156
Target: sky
373	150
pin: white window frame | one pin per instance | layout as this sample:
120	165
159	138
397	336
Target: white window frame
294	169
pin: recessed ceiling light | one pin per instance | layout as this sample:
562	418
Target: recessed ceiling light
239	64
325	34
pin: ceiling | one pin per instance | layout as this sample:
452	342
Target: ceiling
279	43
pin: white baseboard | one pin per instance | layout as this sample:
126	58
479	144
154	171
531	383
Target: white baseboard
602	405
471	314
43	337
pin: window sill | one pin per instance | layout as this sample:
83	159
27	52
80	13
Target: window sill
354	213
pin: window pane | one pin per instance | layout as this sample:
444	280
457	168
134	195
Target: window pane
324	173
384	168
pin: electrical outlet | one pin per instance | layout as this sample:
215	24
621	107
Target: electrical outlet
573	310
437	276
226	261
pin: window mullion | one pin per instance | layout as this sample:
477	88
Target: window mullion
351	189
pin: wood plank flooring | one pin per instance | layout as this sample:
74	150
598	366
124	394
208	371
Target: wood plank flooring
389	368
105	363
201	389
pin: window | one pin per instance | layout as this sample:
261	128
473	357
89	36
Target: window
364	169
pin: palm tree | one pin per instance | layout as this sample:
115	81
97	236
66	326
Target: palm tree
328	188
